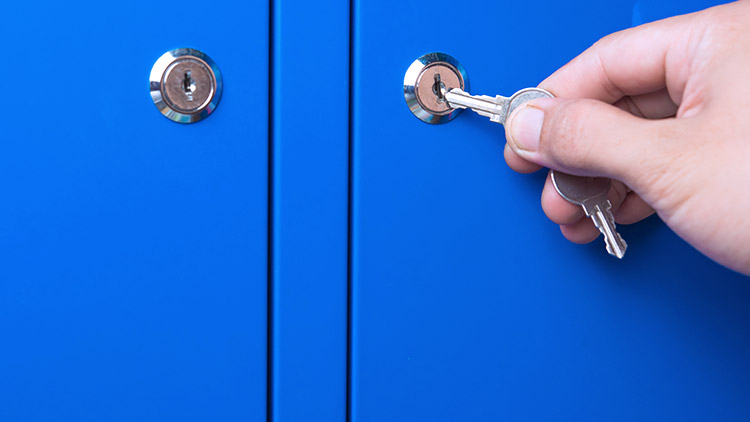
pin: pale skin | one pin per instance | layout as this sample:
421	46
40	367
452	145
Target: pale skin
664	110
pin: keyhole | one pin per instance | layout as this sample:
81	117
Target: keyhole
438	87
188	85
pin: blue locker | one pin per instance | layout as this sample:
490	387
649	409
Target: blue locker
466	302
329	257
133	250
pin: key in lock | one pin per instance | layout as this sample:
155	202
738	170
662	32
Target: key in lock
185	85
444	99
424	82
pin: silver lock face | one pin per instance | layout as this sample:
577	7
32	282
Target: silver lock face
423	81
185	85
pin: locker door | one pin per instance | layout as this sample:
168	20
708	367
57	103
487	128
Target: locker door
132	248
466	302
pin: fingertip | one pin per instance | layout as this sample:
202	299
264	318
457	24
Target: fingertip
580	232
523	128
517	163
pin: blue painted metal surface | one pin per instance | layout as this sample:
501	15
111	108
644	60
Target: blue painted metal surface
467	303
132	249
310	190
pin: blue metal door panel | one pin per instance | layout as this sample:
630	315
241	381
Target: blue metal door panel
132	249
309	249
466	302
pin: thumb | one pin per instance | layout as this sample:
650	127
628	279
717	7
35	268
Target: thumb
588	137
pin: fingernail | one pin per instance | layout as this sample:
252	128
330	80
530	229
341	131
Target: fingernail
526	127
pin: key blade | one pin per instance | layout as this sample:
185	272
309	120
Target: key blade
496	108
605	222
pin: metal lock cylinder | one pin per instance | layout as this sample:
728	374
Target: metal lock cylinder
185	85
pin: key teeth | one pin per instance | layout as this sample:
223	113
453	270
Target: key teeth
616	246
618	252
484	105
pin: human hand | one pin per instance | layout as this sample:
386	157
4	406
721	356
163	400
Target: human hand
663	108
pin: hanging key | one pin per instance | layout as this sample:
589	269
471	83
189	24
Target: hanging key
588	192
591	194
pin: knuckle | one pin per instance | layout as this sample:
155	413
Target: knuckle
665	166
606	41
617	193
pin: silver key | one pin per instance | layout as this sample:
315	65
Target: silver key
591	194
496	108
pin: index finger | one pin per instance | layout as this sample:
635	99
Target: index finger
635	61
